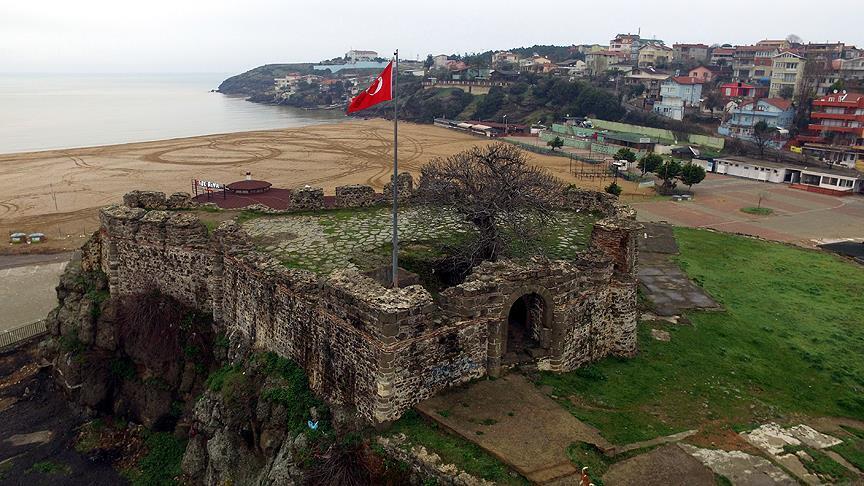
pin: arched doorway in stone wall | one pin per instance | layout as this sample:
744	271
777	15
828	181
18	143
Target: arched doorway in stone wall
524	329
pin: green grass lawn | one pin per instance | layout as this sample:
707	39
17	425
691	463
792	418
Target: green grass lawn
467	456
791	342
760	211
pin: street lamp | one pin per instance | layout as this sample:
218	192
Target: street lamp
504	119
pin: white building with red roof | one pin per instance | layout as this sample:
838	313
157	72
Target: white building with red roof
677	94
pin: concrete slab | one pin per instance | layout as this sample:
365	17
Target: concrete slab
741	468
511	419
665	466
27	292
662	281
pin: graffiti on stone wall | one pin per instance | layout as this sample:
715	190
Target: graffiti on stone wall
446	372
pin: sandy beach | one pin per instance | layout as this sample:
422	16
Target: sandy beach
58	192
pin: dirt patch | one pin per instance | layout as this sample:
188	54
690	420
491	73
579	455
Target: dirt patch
667	466
39	429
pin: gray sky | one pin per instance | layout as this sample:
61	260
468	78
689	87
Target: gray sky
232	36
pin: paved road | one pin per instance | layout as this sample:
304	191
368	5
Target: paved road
27	287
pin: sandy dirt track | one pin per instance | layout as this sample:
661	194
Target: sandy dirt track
58	191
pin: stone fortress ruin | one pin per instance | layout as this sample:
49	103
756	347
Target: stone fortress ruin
381	349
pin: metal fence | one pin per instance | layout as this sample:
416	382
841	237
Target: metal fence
20	333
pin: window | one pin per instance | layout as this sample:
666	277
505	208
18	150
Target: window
810	179
831	181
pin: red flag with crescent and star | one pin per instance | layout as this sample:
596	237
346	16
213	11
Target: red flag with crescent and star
380	91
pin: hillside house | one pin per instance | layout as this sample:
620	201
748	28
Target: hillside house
650	78
690	52
654	55
742	90
704	73
775	112
676	95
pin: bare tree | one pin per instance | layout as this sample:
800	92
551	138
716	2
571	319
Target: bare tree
761	136
494	187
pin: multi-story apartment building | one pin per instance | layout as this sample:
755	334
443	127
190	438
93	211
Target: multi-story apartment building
690	52
752	64
654	54
626	43
836	130
850	70
722	56
787	72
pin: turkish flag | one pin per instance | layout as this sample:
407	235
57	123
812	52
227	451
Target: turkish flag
380	90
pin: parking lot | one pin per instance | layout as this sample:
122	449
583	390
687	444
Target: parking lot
798	216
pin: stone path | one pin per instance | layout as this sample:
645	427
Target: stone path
740	467
652	442
330	240
662	280
514	421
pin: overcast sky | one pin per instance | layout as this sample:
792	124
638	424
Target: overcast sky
232	36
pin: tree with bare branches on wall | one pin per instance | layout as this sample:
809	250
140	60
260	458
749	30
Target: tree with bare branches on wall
495	189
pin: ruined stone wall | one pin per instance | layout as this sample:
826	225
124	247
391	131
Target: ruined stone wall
355	196
148	250
380	350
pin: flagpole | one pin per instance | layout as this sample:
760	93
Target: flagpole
395	173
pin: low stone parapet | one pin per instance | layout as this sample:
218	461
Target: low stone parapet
307	198
355	196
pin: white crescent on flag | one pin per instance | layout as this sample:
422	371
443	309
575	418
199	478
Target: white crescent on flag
378	84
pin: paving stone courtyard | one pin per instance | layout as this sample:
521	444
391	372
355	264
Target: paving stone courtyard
328	240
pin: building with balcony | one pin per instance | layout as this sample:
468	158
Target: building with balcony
835	133
676	95
722	56
650	78
752	64
600	61
787	72
628	44
653	54
777	113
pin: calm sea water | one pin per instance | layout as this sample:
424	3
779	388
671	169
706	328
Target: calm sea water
41	112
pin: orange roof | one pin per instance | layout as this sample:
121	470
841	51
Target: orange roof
779	103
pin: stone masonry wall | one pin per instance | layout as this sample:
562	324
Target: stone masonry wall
380	350
355	196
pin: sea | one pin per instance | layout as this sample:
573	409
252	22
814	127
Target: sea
52	111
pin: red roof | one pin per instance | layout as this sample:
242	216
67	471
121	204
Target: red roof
854	99
779	103
687	80
249	185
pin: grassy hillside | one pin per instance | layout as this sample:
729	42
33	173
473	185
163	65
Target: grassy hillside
260	80
791	342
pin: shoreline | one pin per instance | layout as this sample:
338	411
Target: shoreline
59	191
